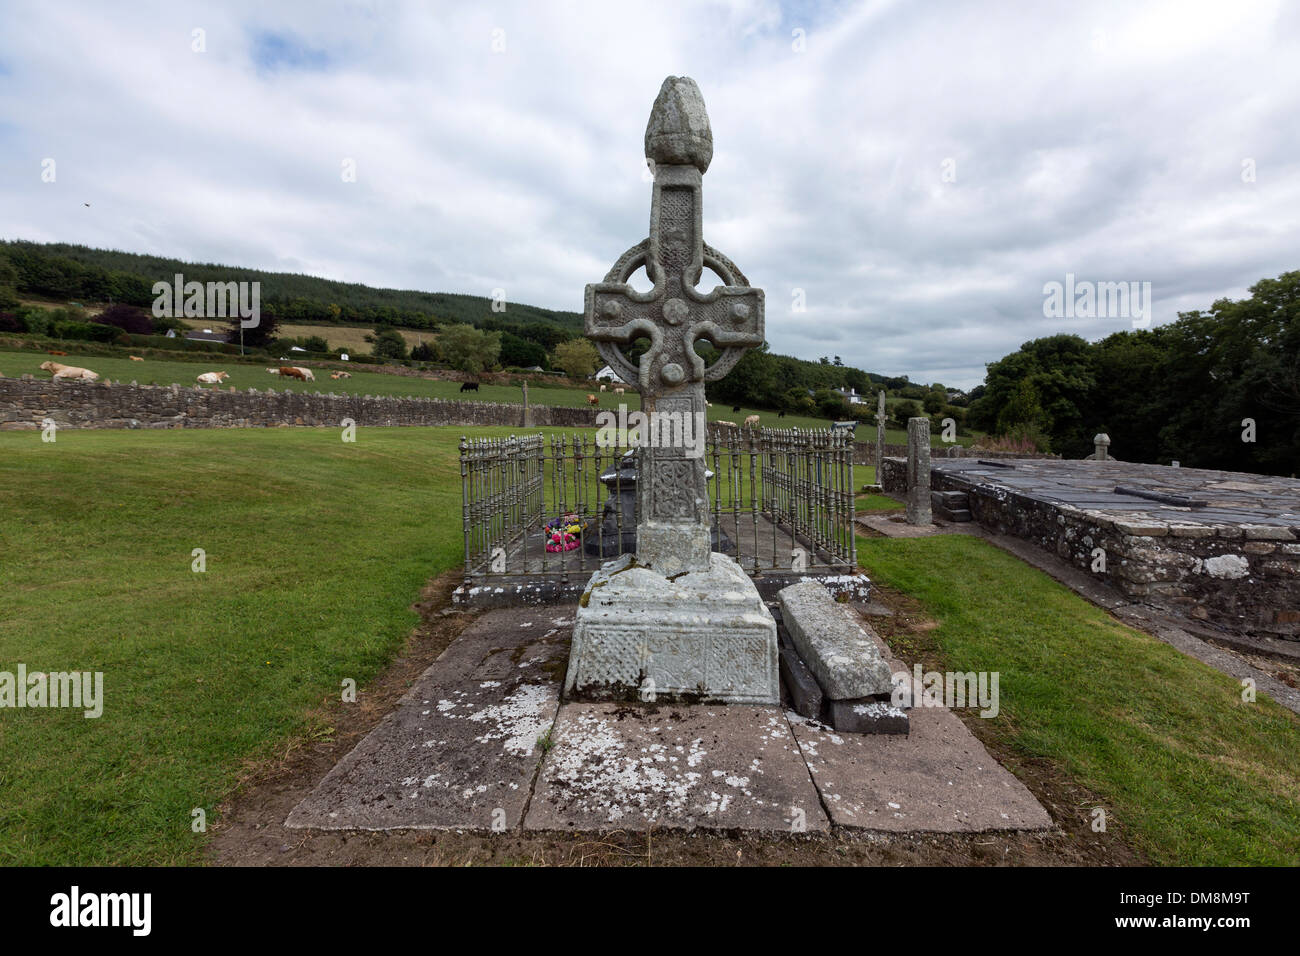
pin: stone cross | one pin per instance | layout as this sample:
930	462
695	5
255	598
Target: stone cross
673	529
880	435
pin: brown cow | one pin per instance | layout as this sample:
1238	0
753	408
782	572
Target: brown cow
287	371
592	399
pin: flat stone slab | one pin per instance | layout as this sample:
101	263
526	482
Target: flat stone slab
461	750
615	766
936	778
844	659
1234	498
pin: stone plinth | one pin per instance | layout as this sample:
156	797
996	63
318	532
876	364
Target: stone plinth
701	636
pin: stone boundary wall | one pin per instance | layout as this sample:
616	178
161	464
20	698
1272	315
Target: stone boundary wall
25	402
1241	577
864	452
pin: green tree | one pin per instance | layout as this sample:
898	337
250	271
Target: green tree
469	349
577	357
389	344
259	336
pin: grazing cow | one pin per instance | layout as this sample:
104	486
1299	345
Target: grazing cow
618	391
751	421
708	404
602	386
70	372
212	378
55	352
306	375
592	400
782	415
735	408
288	371
135	358
469	386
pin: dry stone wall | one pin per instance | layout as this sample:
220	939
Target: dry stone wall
26	402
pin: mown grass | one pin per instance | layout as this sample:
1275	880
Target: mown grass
315	550
1191	773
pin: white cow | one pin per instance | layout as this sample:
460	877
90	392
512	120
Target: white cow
212	378
70	372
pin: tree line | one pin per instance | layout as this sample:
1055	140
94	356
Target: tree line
1213	389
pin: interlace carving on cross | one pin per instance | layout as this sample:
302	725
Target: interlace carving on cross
674	314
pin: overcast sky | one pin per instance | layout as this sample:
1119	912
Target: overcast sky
918	170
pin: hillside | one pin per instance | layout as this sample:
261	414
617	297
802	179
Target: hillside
50	269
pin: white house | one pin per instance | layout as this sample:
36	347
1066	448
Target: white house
609	373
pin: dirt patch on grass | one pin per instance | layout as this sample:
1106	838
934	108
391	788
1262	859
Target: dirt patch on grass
250	830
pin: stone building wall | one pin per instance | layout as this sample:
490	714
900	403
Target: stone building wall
864	452
1240	576
25	402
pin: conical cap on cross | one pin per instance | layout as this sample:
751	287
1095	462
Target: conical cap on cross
678	133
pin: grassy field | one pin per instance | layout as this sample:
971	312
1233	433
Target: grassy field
315	550
351	337
245	376
1190	773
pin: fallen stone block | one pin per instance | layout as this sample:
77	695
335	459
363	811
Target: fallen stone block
844	659
865	717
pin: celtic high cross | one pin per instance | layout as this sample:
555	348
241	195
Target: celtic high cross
673	528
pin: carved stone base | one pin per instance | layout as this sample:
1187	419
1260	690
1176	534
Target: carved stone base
704	636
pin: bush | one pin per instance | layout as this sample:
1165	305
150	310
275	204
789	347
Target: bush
9	322
84	331
390	344
127	318
903	411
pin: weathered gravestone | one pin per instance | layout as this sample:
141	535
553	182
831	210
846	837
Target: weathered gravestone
918	472
677	619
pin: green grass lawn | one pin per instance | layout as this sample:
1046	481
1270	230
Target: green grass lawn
316	550
877	503
1191	773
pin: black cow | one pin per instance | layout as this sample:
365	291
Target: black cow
782	415
735	408
469	387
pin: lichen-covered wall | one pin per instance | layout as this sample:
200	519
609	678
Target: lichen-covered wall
1243	577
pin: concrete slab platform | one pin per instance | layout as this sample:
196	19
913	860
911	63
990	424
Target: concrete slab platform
618	766
937	778
461	749
890	528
